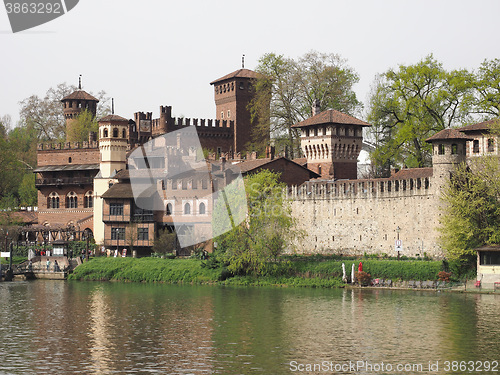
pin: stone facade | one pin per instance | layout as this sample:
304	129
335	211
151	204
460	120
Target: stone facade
354	217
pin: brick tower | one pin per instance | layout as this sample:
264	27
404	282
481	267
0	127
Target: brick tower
331	142
232	94
74	104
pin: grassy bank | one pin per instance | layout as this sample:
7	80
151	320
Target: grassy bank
300	271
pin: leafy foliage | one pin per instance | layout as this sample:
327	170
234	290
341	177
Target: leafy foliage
410	104
287	89
251	246
471	208
165	243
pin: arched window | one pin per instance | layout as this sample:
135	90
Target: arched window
53	200
169	209
105	133
115	132
71	200
124	133
187	209
88	201
202	209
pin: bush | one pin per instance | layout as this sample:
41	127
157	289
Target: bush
363	278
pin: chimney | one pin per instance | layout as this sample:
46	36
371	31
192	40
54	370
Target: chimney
315	107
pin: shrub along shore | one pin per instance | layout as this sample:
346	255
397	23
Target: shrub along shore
289	271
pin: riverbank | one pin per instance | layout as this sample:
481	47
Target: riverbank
295	271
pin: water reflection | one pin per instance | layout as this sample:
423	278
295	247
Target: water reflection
104	328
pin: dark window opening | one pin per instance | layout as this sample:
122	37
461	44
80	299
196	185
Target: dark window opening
116	209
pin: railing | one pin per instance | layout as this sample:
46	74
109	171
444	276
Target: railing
64	181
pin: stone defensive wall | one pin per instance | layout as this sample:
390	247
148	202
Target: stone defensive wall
354	217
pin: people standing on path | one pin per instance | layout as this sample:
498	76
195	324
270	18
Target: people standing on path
48	264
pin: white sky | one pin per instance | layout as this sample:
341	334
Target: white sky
156	52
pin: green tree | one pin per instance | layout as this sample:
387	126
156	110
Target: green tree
411	103
259	240
471	208
287	89
166	242
28	194
85	123
487	88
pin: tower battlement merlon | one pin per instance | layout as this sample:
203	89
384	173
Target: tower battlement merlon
67	146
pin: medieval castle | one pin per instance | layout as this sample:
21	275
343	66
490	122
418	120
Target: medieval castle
87	186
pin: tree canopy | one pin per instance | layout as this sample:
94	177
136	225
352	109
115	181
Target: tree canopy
471	208
411	103
287	89
259	240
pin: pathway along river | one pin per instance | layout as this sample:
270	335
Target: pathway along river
57	327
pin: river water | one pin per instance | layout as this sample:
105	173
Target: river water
57	327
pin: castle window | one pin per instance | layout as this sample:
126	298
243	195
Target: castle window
224	87
71	200
70	104
426	183
454	149
319	169
475	146
491	145
316	132
105	133
216	90
184	185
116	209
124	133
389	185
115	132
69	160
419	183
117	234
169	209
79	105
53	200
396	185
381	186
204	184
142	234
202	209
222	115
441	149
174	184
187	209
404	184
232	86
307	132
242	86
411	184
88	200
228	113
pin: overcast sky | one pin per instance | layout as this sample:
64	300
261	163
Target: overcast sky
155	52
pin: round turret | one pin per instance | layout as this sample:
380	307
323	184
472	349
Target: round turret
113	142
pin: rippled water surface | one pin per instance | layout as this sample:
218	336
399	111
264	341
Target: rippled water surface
61	327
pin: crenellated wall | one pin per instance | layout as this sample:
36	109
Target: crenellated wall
362	216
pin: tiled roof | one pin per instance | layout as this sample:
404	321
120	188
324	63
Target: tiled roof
249	165
448	134
113	118
411	173
480	126
79	95
331	116
488	248
25	217
67	167
120	190
300	161
240	73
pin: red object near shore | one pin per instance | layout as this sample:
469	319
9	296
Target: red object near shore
360	267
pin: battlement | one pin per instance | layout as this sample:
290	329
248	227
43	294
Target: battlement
68	146
370	188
